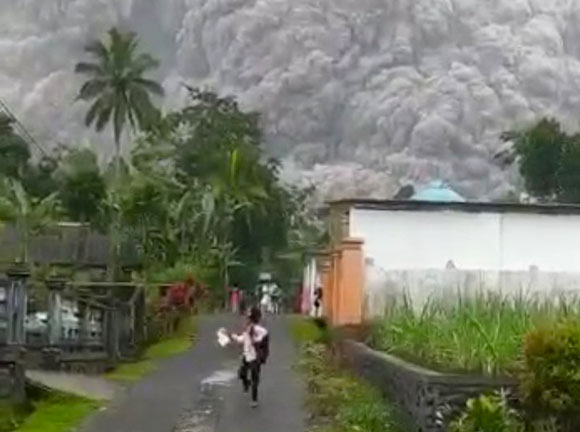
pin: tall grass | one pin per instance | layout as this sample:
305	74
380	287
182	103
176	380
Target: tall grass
482	333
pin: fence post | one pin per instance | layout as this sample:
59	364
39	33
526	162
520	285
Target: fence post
17	305
112	332
84	312
55	288
12	355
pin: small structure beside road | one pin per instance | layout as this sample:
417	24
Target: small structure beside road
383	251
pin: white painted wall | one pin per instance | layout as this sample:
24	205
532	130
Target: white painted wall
550	242
428	240
407	253
420	240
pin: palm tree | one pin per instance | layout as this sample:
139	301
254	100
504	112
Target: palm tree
120	93
116	85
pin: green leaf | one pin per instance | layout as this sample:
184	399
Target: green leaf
92	89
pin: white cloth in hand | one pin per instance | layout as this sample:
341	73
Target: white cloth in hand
223	338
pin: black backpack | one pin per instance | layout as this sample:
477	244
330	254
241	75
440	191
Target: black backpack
263	349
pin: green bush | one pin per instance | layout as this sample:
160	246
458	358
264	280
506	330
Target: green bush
550	381
488	413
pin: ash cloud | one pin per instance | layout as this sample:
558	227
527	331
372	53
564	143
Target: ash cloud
357	96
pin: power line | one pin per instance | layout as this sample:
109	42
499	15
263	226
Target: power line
22	129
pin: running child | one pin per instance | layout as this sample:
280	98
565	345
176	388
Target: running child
255	351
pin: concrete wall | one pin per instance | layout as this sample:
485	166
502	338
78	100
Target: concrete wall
384	288
413	240
422	254
427	400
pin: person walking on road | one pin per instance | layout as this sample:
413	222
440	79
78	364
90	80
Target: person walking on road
255	345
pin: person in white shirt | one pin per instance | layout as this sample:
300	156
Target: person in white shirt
254	341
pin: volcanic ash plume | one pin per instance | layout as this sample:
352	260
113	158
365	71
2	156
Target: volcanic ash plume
358	96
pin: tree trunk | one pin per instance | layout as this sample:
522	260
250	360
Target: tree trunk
114	228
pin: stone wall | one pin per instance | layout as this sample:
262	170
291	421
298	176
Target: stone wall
427	399
81	362
12	379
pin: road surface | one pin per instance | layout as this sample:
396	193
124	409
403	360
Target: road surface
199	391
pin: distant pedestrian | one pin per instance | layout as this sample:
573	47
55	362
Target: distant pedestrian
243	302
276	296
317	302
235	298
255	351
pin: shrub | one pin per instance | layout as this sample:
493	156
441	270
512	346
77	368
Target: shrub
550	381
488	413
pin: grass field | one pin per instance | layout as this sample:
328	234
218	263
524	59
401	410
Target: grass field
58	413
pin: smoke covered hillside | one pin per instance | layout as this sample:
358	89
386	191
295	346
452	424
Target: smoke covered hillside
360	95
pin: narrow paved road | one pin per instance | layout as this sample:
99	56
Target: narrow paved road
199	391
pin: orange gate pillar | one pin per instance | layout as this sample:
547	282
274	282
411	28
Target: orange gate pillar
351	280
336	258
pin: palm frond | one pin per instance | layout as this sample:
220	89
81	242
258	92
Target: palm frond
92	113
150	85
142	106
97	48
88	68
103	117
143	63
91	89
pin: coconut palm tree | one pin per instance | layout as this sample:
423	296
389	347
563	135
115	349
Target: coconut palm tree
119	93
116	85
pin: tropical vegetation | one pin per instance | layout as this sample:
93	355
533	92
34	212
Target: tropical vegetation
483	333
548	158
195	192
535	342
337	400
488	413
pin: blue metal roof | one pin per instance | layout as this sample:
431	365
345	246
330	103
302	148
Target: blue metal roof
437	191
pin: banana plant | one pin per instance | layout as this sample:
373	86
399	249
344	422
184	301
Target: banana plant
29	215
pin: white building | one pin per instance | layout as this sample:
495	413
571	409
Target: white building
441	244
